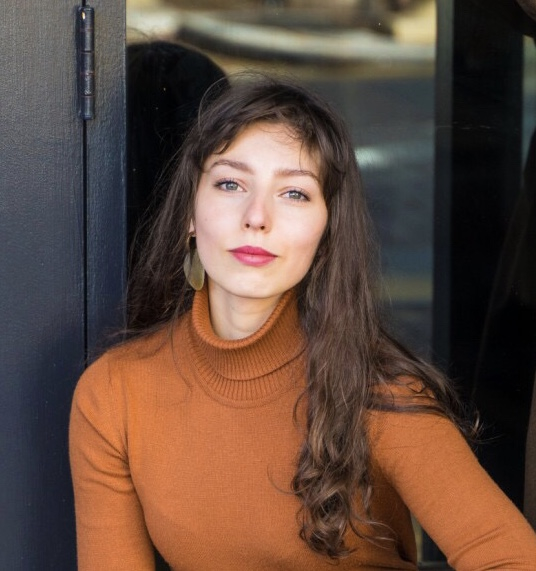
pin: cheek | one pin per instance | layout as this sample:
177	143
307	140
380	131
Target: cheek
211	231
204	220
308	240
315	230
204	237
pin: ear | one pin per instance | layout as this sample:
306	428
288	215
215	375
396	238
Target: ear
191	228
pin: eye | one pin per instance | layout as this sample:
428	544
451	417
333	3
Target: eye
228	185
295	194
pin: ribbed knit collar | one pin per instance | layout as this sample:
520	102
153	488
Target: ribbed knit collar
251	370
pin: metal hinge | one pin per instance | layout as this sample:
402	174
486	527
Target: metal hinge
86	62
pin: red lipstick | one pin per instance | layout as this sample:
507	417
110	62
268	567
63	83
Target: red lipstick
253	256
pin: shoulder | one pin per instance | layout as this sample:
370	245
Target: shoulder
130	354
128	369
407	421
406	416
125	387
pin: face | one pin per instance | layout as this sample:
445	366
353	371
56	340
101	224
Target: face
259	215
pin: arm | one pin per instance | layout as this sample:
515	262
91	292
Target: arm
428	462
110	526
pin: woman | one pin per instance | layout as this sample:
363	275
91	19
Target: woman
268	422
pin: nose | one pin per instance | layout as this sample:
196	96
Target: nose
257	215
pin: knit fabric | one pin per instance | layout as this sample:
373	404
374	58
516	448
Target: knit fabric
189	442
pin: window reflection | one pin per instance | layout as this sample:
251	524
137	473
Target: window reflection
375	62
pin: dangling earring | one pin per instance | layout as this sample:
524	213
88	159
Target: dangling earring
193	268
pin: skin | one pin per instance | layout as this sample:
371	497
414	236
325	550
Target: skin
262	192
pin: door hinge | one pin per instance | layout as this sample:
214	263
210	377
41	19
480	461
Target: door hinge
86	62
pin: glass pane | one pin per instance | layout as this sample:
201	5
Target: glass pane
375	62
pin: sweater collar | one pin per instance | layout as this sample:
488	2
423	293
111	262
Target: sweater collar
251	368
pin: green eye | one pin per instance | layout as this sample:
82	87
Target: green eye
296	195
229	185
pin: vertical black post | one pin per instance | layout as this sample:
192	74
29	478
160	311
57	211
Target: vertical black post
478	179
105	180
477	184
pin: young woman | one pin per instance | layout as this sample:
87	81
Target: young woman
266	421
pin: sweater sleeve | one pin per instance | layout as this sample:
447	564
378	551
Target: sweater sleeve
428	462
110	526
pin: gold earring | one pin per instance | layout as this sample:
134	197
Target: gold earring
193	268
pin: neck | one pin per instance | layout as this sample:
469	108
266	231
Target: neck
238	317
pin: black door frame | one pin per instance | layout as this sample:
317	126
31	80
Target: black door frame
482	335
62	254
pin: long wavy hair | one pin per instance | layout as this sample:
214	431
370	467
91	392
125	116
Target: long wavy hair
351	360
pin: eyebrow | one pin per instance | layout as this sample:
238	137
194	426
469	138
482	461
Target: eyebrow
239	165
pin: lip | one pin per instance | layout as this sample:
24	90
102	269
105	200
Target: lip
253	256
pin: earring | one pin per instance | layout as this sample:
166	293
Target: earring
193	268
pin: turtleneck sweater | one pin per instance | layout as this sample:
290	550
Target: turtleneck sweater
189	442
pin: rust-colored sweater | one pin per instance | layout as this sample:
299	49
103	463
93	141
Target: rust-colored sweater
189	442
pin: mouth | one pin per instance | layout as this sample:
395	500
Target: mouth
253	256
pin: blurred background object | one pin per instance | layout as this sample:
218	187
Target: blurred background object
375	62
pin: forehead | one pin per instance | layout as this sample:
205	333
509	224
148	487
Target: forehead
271	134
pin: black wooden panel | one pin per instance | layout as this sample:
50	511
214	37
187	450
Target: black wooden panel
61	260
106	177
41	285
478	181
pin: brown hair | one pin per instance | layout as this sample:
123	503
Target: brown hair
350	358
